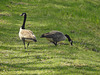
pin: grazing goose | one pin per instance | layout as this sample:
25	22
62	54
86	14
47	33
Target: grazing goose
56	36
26	35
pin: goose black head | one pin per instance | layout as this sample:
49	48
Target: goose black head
23	14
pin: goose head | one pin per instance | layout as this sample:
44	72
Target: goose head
23	14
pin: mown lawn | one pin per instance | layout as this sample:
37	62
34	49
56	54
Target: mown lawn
78	18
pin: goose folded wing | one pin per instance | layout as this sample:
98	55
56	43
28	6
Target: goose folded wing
49	35
27	34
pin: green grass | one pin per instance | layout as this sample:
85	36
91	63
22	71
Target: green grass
78	18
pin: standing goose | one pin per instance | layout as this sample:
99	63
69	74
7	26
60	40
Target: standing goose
26	35
56	36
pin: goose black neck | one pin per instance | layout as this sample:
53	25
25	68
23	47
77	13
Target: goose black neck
69	39
23	26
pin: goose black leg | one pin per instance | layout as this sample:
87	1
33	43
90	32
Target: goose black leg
55	43
28	45
23	42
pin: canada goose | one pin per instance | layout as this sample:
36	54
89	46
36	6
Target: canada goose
26	35
56	36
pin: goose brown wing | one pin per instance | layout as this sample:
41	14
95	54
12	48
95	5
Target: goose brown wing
58	36
27	34
55	35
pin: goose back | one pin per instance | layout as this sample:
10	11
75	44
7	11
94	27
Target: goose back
27	35
55	36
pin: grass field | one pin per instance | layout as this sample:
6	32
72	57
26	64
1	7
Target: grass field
78	18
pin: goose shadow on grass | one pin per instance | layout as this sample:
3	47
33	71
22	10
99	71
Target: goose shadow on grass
49	46
30	49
